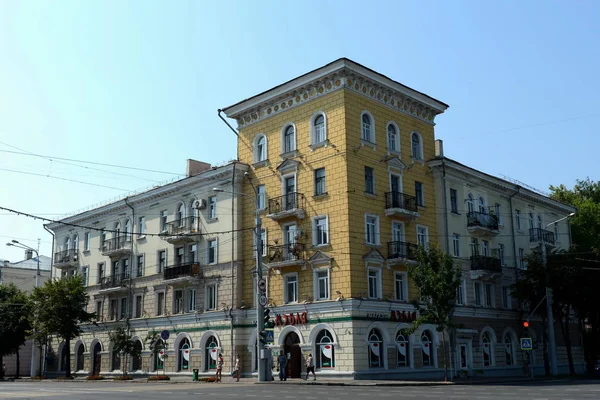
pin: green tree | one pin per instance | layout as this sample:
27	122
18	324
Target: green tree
438	279
156	344
59	308
123	344
14	321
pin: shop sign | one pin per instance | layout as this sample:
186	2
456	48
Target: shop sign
403	316
291	319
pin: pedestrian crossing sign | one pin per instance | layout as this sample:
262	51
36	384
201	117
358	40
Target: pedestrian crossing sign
270	336
526	344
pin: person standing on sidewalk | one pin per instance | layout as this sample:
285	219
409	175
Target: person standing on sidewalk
220	368
310	367
237	367
282	362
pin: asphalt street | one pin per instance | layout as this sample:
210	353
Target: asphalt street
101	391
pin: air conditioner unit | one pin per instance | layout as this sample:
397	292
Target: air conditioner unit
200	204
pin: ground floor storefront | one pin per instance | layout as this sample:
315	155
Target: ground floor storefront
349	339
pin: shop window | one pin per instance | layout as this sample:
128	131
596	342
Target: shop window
427	349
211	354
375	349
403	347
325	351
184	355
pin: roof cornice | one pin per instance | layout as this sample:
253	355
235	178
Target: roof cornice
340	74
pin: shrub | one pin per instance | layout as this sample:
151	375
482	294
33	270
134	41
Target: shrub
158	378
94	378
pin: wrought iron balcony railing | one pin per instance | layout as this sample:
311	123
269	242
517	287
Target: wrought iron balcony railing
287	202
182	226
480	219
186	267
65	256
485	263
286	253
401	200
107	282
539	234
399	249
116	244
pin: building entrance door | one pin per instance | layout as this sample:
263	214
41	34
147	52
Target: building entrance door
291	347
96	359
463	357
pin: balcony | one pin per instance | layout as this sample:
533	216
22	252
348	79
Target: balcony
485	267
117	246
65	258
537	235
286	255
114	282
482	224
186	269
181	230
399	251
288	205
402	205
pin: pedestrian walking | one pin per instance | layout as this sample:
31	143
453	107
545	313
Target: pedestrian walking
237	367
282	363
220	368
310	367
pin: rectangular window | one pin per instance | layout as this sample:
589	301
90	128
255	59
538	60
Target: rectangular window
261	197
114	306
372	229
453	201
506	300
86	241
84	275
102	239
320	231
163	220
322	278
212	207
138	306
477	289
191	300
499	214
485	248
140	265
192	253
211	297
178	302
212	251
373	280
419	194
522	259
489	295
142	226
291	288
501	254
556	236
99	313
460	294
125	271
518	219
422	236
456	245
101	272
123	309
320	181
399	283
179	255
369	180
160	303
162	261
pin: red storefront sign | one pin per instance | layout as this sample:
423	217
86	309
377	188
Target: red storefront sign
403	316
291	319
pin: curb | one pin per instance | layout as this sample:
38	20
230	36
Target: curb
358	383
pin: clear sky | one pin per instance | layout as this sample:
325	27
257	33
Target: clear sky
138	83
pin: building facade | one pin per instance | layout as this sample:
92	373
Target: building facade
489	225
165	259
338	159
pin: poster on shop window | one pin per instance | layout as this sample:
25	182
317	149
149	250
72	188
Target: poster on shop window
327	356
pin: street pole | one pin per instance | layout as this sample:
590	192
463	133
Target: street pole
549	312
260	309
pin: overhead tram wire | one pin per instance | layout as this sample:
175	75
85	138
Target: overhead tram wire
64	179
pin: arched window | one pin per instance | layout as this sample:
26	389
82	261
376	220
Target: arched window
115	358
531	226
482	208
428	349
79	362
367	128
184	355
470	203
158	358
128	229
117	230
487	349
375	349
393	142
67	243
509	349
194	212
136	362
75	245
415	140
325	352
260	148
319	133
539	221
403	347
211	353
289	139
180	214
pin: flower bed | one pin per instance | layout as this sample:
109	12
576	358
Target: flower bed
158	378
208	379
94	378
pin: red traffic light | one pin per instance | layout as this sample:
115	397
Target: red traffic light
526	324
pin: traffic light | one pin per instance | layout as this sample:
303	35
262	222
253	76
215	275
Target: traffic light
526	328
525	324
267	319
262	338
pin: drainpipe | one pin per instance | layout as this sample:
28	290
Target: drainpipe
233	259
219	111
512	228
445	205
131	259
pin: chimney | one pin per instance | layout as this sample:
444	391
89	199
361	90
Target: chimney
195	167
28	254
439	148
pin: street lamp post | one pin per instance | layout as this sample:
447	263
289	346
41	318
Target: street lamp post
260	309
549	311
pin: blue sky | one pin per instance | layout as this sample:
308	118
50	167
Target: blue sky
138	83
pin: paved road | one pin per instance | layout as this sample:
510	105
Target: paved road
102	391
